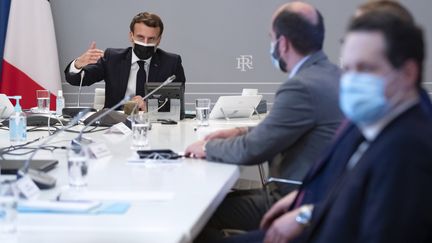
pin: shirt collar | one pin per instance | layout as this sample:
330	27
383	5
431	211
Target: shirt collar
297	66
135	59
370	132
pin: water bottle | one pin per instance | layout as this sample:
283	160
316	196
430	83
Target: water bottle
17	124
60	103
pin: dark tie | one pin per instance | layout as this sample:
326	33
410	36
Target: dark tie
141	79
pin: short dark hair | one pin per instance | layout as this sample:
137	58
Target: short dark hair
387	5
306	37
149	19
403	39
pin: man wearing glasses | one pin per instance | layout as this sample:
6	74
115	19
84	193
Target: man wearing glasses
126	71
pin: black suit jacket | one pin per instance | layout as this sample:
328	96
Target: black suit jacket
384	198
115	67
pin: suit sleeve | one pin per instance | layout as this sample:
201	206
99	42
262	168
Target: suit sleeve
93	72
398	206
179	72
292	116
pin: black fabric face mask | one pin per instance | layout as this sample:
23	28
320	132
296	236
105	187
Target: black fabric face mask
144	52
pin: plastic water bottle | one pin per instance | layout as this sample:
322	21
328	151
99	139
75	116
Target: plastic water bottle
17	124
60	103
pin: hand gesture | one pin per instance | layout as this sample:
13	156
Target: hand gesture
91	56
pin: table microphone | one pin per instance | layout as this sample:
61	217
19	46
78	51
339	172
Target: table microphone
73	111
167	81
79	139
43	180
112	117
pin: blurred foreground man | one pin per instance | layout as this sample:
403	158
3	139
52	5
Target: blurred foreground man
369	186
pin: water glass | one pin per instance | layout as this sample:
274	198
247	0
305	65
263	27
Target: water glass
140	130
8	211
202	107
43	101
78	163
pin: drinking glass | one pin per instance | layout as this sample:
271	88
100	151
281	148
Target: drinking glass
202	107
78	164
8	211
43	101
140	130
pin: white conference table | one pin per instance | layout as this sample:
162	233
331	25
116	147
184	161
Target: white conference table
170	202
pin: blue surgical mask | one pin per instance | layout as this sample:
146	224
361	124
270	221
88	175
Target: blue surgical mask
275	57
362	97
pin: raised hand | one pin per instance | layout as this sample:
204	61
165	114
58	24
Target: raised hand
91	56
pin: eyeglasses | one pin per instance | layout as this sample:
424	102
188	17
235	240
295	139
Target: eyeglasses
161	156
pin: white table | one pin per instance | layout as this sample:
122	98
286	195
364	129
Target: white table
197	187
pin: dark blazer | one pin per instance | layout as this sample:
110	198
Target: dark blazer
300	125
115	67
333	162
329	169
384	197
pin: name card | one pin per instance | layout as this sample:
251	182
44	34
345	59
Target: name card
120	128
27	187
99	150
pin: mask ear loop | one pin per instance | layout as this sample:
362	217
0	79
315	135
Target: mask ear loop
397	97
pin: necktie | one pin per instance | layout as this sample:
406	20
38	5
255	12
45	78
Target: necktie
357	155
141	79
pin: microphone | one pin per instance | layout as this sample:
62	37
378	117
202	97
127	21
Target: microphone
41	178
97	116
73	111
167	81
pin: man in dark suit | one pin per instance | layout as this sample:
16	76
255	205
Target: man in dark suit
300	125
369	187
126	71
380	197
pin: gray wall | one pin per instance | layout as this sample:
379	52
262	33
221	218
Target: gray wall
209	35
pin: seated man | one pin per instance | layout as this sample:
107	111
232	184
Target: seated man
126	71
300	125
370	182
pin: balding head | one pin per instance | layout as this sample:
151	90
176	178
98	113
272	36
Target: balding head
307	11
301	24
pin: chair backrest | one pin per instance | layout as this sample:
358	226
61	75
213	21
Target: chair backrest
99	98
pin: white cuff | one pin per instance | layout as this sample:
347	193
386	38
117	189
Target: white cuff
73	69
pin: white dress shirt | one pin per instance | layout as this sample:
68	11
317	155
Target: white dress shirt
297	66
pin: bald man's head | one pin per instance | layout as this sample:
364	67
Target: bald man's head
302	24
307	11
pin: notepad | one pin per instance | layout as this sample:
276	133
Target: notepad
116	196
73	207
57	206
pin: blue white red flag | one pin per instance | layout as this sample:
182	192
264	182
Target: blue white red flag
28	50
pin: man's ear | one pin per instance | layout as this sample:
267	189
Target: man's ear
159	40
411	72
284	44
131	37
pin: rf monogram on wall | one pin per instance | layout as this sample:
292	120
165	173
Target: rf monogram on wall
244	62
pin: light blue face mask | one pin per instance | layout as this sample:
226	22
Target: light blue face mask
276	60
362	97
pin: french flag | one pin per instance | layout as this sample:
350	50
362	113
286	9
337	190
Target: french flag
28	50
